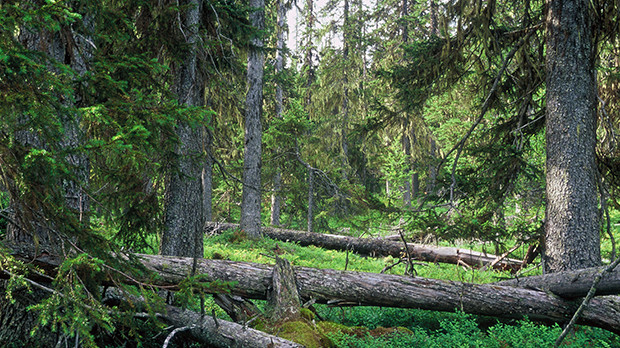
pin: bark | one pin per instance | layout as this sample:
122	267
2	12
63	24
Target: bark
184	196
406	142
276	199
251	197
342	288
283	297
310	225
33	224
16	321
379	247
221	333
570	284
345	288
206	328
207	179
572	220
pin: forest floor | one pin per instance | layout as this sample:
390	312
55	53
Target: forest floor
393	327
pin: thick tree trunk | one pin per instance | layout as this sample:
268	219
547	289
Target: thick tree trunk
16	321
570	284
344	288
572	220
184	196
379	247
31	224
251	197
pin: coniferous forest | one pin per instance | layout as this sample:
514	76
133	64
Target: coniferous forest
337	173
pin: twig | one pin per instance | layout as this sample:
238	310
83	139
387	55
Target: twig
502	256
585	302
409	264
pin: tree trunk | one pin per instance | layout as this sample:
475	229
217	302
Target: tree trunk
251	197
222	333
310	225
276	199
206	329
570	284
345	288
207	178
283	296
184	196
572	220
379	247
342	288
32	224
17	321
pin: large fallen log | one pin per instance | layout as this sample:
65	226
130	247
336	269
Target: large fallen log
344	288
379	247
570	284
206	329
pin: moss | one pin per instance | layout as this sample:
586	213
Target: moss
306	314
328	327
304	334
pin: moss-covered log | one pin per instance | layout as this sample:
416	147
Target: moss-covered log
380	247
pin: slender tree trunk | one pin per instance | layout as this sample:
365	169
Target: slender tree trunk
572	220
277	179
434	22
432	168
251	198
309	65
407	185
345	90
310	200
184	220
207	178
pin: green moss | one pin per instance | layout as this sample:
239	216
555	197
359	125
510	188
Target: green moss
329	327
304	334
306	314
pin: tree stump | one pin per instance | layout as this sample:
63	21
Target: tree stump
284	297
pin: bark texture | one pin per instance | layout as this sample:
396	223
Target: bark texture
572	221
283	297
570	284
276	199
251	197
184	192
380	247
344	288
16	321
221	333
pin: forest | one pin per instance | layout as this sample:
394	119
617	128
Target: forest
309	173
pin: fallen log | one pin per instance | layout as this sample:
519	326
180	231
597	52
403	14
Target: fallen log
570	284
222	333
342	288
208	329
346	288
379	247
